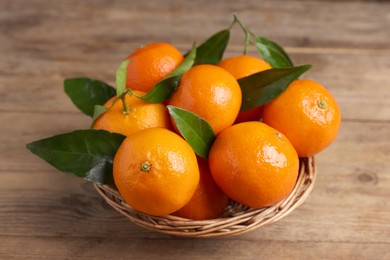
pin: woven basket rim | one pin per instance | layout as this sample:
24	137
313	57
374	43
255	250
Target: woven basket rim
237	219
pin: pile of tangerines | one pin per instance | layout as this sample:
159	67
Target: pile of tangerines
254	158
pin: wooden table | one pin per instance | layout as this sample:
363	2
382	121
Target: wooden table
47	214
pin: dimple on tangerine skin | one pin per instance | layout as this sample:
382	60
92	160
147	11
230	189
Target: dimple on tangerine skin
254	164
210	92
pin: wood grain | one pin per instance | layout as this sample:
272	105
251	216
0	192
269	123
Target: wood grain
103	248
47	214
352	79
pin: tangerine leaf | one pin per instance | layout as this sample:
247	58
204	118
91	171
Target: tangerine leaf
85	93
186	64
121	74
98	111
273	53
164	89
260	88
211	51
87	154
195	130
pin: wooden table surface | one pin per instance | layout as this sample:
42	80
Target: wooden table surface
45	214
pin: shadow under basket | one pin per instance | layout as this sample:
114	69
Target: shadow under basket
237	218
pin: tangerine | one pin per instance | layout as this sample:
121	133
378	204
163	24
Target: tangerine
253	114
242	66
208	201
150	64
254	164
307	114
155	175
141	115
210	92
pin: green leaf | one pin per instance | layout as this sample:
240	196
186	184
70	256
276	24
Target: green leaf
211	51
98	111
121	75
186	64
195	130
85	93
260	88
87	154
272	53
164	89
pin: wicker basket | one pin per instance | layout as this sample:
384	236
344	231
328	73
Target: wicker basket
237	218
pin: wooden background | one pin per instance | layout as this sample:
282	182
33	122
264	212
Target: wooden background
47	214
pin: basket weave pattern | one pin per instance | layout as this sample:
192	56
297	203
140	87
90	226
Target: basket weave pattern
237	219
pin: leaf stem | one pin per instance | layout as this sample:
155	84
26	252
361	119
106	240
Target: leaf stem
247	42
247	33
126	108
233	23
130	92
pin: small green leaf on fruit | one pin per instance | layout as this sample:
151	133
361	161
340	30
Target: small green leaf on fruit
87	154
195	130
260	88
85	93
164	89
121	75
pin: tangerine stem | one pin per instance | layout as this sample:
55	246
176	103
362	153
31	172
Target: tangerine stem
126	108
233	23
247	42
321	103
145	167
131	93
